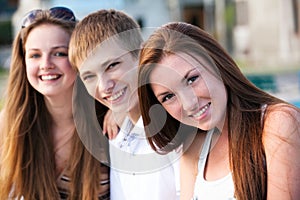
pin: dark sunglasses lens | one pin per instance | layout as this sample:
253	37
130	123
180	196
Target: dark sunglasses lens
62	13
29	18
57	12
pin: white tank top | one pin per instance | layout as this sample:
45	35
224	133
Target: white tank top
221	189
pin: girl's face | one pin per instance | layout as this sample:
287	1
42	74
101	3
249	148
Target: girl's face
188	92
47	65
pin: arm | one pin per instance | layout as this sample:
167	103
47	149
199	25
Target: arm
282	147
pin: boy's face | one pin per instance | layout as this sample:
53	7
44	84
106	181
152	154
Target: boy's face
110	76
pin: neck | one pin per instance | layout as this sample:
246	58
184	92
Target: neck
134	114
60	108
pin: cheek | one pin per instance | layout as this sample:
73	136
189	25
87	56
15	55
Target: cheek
218	93
31	72
68	70
72	75
174	110
92	88
131	76
66	65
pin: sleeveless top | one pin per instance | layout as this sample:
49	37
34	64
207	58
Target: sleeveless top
222	188
219	189
63	183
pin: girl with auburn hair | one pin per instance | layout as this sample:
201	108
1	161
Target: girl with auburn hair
42	157
245	143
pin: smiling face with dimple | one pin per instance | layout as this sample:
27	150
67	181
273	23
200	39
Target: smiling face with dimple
189	92
46	57
110	75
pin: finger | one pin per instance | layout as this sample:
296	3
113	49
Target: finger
106	121
115	131
110	133
104	129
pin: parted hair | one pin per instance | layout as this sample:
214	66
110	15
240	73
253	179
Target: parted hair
27	165
245	128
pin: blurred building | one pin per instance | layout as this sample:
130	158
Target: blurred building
268	32
261	32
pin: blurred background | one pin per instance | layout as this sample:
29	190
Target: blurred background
262	36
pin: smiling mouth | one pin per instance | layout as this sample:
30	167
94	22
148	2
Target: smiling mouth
201	111
116	95
49	77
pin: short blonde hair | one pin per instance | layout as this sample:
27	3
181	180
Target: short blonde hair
99	26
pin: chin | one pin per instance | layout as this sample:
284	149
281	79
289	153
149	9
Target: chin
204	127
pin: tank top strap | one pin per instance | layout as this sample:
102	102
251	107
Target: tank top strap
205	151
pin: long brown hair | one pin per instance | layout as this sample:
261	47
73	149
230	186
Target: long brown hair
246	149
27	166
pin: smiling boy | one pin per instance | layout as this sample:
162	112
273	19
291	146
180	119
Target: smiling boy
104	48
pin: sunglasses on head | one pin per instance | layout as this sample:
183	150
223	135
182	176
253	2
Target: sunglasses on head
62	13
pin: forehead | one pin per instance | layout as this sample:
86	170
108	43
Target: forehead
105	52
47	35
173	68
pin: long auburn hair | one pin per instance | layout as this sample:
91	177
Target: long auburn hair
27	166
246	150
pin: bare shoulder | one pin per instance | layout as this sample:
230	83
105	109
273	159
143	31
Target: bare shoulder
281	138
282	120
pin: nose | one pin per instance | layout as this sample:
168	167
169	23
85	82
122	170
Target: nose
46	63
188	100
105	85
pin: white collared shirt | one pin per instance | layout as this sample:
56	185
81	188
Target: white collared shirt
137	172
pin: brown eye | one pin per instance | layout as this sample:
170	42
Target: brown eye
167	97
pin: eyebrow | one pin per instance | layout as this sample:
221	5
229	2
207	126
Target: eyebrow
56	47
85	73
162	94
102	65
187	74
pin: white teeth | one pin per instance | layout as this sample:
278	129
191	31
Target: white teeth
198	114
49	77
116	96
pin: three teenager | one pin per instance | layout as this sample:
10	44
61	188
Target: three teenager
237	141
